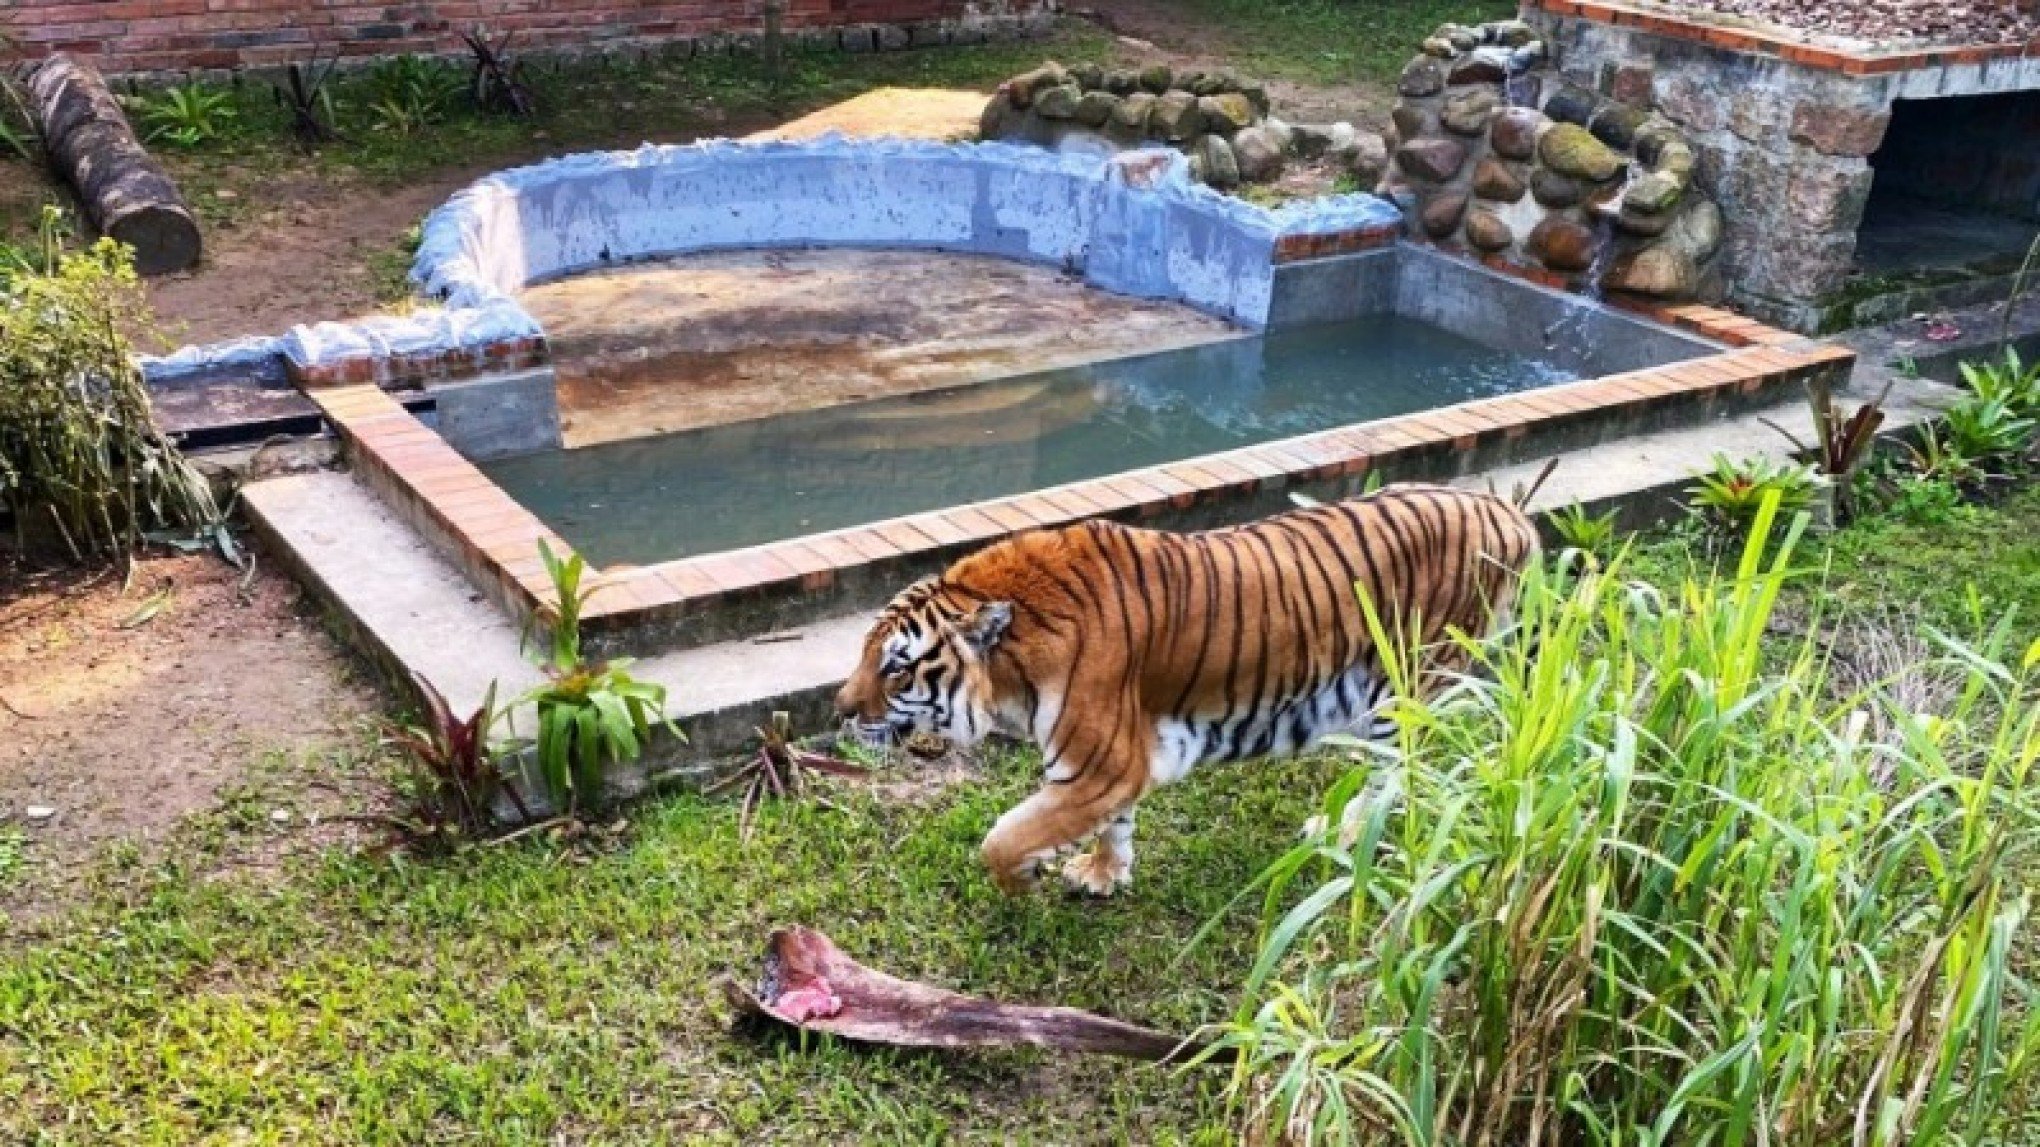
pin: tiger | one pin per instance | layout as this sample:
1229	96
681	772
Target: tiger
1131	655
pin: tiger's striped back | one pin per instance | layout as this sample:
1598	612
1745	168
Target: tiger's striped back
1131	655
1252	633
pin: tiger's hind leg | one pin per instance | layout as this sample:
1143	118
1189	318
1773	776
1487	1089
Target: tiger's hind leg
1107	866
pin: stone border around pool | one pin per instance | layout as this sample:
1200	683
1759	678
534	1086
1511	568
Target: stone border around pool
713	597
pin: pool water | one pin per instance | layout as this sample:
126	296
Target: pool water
701	491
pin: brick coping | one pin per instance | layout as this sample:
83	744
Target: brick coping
496	540
1853	57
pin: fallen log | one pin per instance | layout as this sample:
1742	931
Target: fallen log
810	984
126	194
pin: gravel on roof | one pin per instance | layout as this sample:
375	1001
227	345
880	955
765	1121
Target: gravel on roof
1938	21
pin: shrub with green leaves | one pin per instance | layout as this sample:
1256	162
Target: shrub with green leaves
406	94
79	449
1730	496
1577	529
2010	381
591	715
1988	431
187	115
1659	885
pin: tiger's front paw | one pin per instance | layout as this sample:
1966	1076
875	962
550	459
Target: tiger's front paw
1018	879
1094	873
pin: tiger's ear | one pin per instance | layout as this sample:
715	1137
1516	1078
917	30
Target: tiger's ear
986	626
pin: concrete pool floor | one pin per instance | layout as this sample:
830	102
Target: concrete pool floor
721	337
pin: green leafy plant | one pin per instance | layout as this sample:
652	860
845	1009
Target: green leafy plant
591	715
407	94
187	115
17	124
13	854
1588	533
79	449
1987	431
1934	458
455	778
1653	884
2009	381
1729	497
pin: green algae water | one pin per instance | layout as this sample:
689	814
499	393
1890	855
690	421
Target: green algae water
649	500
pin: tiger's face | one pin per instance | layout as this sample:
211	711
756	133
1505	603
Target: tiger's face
923	669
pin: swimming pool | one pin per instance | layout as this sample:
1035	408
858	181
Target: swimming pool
719	488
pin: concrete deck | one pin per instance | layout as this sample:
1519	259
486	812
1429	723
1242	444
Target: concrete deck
409	610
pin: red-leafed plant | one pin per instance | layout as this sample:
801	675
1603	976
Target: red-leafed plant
455	777
1840	445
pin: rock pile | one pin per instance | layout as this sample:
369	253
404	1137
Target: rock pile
1499	156
1218	119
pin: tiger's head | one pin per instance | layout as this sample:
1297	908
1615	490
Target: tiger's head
924	666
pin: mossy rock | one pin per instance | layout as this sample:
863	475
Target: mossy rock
1023	87
1058	102
1225	113
1572	150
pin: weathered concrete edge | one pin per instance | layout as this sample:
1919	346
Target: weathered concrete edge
1134	223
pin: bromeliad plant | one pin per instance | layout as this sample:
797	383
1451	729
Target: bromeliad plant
406	94
188	115
1656	884
497	83
2009	381
456	778
591	715
1728	498
1590	534
17	123
309	101
1989	431
1840	445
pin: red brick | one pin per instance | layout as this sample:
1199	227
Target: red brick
170	35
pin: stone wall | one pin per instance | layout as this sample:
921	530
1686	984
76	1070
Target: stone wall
1499	156
1219	119
144	36
1783	146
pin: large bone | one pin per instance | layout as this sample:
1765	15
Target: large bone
810	984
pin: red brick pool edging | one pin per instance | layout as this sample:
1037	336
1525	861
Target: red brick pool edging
495	539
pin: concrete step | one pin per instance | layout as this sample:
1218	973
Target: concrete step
395	599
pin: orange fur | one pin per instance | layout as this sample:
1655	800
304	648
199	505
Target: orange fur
1131	654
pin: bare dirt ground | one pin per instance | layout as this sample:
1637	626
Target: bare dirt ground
125	711
304	250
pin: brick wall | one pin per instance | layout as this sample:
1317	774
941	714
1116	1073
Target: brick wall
129	36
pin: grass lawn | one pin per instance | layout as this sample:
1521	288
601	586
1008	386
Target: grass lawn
1337	41
522	994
